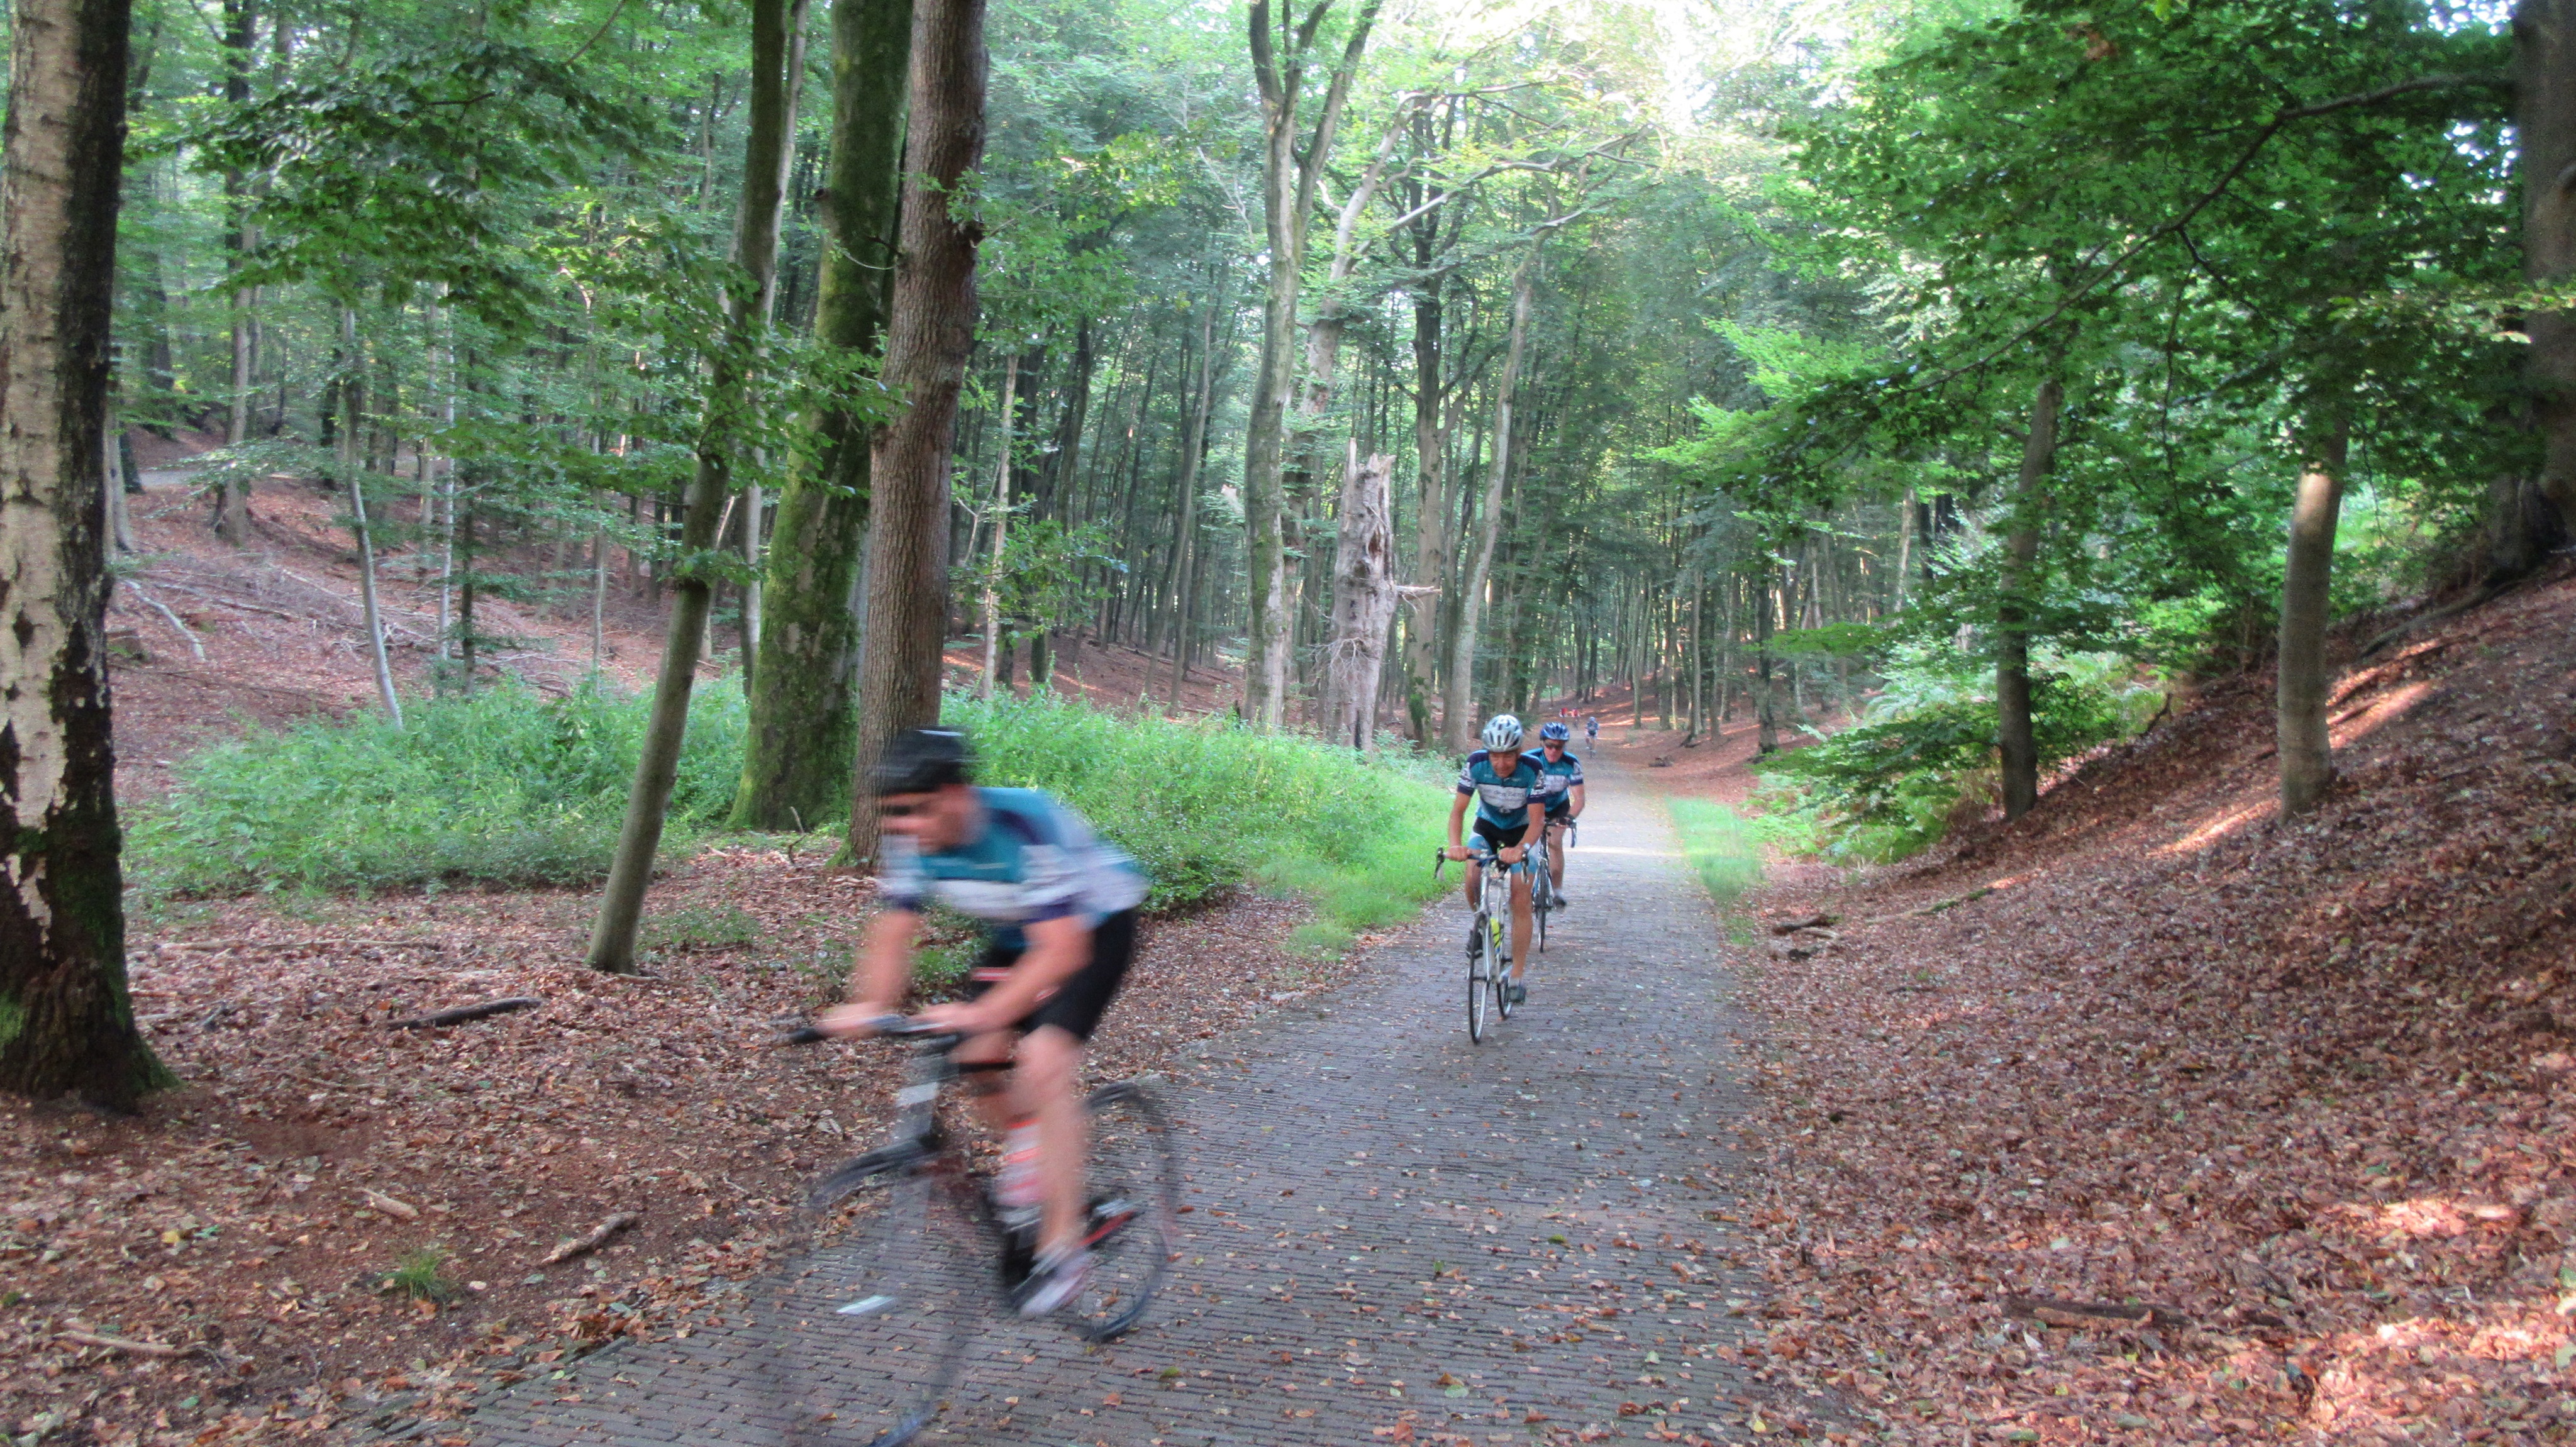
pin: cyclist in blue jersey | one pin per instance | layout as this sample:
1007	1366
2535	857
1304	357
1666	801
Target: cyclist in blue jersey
1592	729
1504	782
1561	789
1060	907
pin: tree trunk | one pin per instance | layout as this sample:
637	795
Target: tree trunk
66	1022
612	942
1766	693
2014	738
1460	701
803	719
232	497
754	504
932	332
1363	601
1193	452
1287	206
352	410
2544	37
1001	529
2307	754
2523	528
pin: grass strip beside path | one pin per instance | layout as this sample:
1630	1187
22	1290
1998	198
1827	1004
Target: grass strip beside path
1721	847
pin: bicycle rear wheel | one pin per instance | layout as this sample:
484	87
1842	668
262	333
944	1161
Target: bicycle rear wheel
868	1324
1135	1198
1480	950
1542	903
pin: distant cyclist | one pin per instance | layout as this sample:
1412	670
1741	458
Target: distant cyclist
1592	730
1561	790
1505	784
1060	907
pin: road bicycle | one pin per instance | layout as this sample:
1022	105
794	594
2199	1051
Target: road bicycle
1489	956
1543	898
901	1256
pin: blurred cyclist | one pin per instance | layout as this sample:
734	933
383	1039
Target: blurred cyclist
1505	783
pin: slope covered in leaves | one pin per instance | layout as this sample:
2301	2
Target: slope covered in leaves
2304	1090
336	1227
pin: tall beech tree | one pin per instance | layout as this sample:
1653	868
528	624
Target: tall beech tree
2544	80
66	1022
804	699
927	342
1293	157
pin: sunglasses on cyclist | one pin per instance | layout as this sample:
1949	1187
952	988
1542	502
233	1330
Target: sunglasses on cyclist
901	811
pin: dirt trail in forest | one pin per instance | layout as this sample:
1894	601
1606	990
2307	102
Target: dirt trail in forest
1395	1234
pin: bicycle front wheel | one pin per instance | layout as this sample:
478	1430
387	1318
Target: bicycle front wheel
869	1322
1134	1200
1481	953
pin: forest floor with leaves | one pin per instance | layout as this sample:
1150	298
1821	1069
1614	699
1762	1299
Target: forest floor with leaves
333	1223
2153	1119
338	1223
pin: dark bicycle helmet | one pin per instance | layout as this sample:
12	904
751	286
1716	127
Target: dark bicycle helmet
1555	731
917	761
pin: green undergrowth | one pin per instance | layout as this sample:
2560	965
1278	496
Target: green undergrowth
505	786
1204	806
1922	753
515	788
1723	850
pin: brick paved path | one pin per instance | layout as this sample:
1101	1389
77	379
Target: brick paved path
1395	1235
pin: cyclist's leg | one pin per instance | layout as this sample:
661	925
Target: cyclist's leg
1475	884
990	1089
1050	1074
1045	1086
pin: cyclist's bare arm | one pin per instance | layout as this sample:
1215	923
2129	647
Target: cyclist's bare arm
1457	822
884	972
1057	949
1573	803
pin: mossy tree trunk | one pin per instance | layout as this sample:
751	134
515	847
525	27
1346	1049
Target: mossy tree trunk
66	1022
805	704
796	760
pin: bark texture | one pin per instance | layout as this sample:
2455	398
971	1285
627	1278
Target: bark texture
66	1023
648	801
2544	41
804	703
1363	600
2016	739
2306	749
927	343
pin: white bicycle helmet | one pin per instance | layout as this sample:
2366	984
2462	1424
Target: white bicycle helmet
1504	732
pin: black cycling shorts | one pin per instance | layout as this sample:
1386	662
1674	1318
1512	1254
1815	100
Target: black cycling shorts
1497	835
1078	1003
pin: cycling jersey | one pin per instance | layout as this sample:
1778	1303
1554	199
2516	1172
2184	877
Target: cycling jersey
1033	860
1504	801
1556	779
